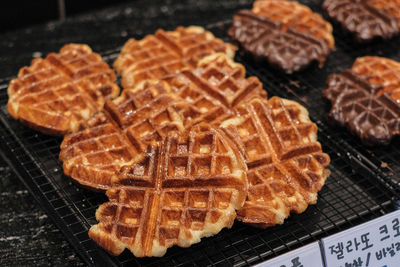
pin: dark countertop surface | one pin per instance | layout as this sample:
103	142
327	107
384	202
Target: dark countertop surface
27	236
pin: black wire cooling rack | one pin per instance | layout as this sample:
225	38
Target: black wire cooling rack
363	185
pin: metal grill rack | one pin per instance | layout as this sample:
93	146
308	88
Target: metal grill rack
362	186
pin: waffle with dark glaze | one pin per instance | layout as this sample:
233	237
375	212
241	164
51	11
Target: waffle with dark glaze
366	19
363	106
285	33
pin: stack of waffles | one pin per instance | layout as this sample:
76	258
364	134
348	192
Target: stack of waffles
190	145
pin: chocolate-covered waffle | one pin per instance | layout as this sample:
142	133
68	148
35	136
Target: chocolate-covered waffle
184	189
366	19
166	52
55	94
285	33
366	100
286	165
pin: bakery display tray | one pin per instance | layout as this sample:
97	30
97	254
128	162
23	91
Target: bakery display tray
364	181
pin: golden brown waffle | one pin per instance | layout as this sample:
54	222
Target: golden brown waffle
54	95
286	166
380	71
297	17
117	136
186	189
215	87
164	53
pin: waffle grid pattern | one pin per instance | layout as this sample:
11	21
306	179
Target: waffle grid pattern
119	135
380	71
165	53
215	87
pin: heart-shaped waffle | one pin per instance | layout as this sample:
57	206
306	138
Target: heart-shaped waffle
54	95
286	165
166	52
285	33
366	99
184	189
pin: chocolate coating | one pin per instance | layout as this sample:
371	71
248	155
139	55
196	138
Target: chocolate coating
375	119
361	19
289	50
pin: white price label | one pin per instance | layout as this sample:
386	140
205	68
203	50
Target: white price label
375	243
307	256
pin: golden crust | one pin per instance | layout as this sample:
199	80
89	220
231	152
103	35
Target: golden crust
186	188
118	135
54	95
